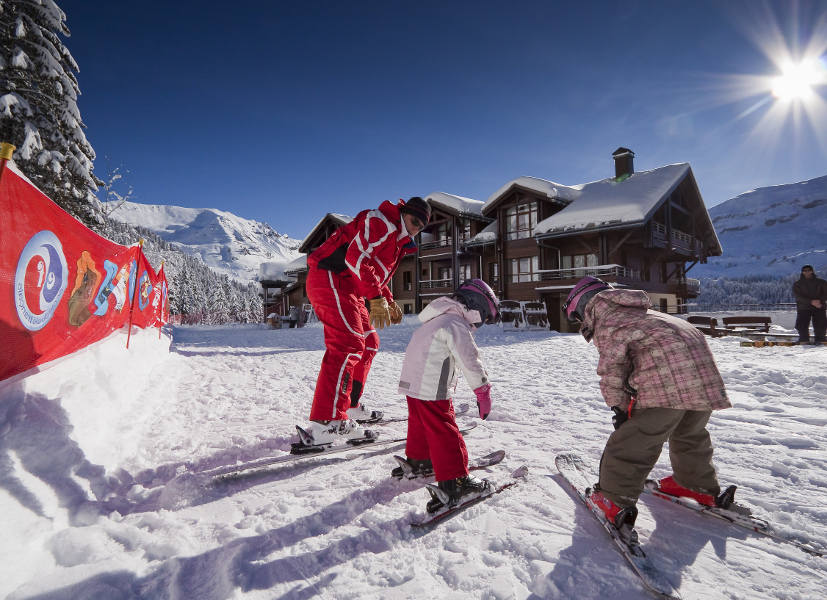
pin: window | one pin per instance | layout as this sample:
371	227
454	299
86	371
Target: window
407	309
464	272
493	271
525	269
520	220
407	280
464	228
579	262
441	234
445	273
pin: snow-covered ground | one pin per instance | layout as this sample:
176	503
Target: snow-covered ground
101	495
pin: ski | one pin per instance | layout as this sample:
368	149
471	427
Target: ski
482	462
579	477
742	519
245	469
459	411
445	513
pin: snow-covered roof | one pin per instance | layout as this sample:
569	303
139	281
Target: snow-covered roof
335	217
299	264
273	271
456	204
487	236
610	203
549	189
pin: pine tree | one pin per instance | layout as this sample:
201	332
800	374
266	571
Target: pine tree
38	106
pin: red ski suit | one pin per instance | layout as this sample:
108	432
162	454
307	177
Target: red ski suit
355	263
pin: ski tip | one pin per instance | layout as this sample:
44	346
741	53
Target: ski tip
520	472
494	457
466	428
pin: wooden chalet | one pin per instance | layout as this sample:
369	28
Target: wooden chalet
637	230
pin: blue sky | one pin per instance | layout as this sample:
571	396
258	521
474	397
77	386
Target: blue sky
282	111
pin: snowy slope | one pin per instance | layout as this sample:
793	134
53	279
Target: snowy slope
101	495
771	231
225	242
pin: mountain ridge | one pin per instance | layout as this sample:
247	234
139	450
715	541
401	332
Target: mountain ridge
224	241
770	231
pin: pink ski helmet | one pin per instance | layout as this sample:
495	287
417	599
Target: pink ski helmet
475	294
583	291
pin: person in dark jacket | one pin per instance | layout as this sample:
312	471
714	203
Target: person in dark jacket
811	304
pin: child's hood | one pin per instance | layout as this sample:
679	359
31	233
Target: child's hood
608	300
446	305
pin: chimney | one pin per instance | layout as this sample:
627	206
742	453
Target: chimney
624	163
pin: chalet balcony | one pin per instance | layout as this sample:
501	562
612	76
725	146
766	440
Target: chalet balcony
441	243
681	242
693	286
429	287
613	272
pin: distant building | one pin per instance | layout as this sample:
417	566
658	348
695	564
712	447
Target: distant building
533	239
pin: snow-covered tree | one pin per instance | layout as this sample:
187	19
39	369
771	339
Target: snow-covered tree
38	105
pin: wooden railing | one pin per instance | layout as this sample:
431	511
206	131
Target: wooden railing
441	243
595	271
429	284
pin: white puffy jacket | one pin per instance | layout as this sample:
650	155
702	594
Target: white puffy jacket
443	341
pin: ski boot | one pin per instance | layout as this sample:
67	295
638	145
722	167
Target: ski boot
724	500
322	434
617	516
411	468
451	492
361	414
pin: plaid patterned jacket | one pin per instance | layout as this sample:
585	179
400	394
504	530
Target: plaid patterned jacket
664	359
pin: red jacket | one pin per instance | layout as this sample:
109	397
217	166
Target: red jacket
369	249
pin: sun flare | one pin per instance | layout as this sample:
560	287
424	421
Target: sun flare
797	80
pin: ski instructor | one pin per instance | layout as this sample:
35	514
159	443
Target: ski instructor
356	264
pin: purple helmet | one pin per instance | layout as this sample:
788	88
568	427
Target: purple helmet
475	294
583	291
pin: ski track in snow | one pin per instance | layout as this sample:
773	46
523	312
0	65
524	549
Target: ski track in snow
103	497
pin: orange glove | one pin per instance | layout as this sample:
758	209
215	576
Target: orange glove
395	312
380	316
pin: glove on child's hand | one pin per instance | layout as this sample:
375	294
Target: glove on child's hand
619	417
484	400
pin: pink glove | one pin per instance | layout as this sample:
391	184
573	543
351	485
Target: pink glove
484	399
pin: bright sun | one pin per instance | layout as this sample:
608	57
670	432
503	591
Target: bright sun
797	80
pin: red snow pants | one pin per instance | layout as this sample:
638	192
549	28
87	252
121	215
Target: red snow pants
350	342
433	433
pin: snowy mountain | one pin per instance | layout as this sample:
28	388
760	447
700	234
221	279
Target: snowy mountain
225	242
771	231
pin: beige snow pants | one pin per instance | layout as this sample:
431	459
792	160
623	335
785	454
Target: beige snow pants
634	448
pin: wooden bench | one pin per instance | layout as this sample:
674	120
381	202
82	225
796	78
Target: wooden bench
708	325
747	324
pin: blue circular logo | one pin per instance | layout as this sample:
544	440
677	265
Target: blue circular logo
40	280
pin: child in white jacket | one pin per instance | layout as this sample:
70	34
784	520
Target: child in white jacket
444	342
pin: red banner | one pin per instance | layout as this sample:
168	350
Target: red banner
62	286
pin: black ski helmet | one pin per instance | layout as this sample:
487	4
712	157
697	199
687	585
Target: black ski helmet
476	295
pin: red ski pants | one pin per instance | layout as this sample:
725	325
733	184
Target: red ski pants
350	342
433	433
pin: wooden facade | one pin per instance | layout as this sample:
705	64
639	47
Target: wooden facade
511	242
443	255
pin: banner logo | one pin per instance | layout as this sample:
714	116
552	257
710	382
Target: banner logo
40	280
